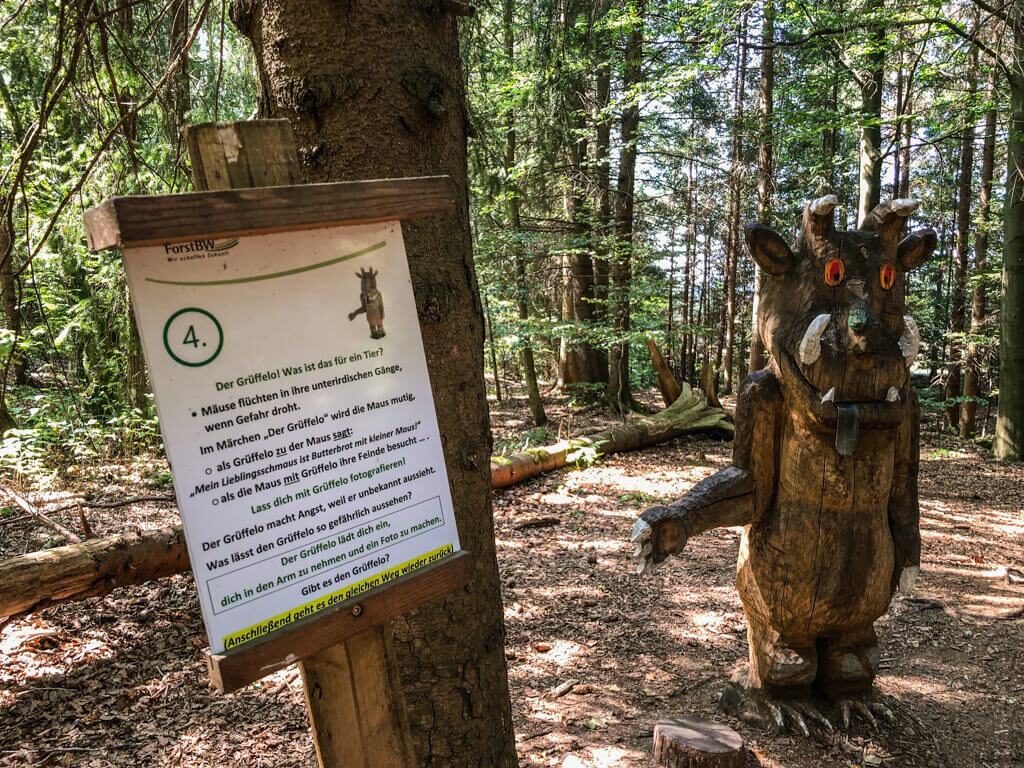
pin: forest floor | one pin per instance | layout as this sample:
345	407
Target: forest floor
121	681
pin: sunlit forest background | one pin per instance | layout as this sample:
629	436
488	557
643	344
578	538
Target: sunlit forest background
617	150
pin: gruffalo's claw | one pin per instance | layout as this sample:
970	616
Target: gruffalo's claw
656	535
866	711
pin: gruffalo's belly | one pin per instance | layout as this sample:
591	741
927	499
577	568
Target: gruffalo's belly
821	560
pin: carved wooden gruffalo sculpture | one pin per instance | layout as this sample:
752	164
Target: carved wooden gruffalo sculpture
824	469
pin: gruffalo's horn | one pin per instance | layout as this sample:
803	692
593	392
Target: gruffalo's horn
818	233
887	219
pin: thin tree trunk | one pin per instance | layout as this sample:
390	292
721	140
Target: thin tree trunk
735	192
979	302
619	395
963	229
526	358
765	167
388	101
1009	438
494	355
602	184
871	89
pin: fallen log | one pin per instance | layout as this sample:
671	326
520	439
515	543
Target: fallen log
90	569
689	413
98	566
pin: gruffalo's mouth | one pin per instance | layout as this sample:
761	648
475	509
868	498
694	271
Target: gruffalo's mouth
833	312
847	417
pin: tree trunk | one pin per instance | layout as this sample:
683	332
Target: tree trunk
178	88
1009	440
620	395
666	381
526	359
585	360
979	302
735	192
963	230
388	101
602	183
494	355
871	88
765	166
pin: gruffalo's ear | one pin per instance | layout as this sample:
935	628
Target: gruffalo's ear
769	250
914	250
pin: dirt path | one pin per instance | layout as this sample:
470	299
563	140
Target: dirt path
120	681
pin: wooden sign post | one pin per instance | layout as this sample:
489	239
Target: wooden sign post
297	414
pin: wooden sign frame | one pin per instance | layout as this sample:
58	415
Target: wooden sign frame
124	222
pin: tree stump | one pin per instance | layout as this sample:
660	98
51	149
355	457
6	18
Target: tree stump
689	742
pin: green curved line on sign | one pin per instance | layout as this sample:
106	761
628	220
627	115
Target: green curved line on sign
272	275
227	244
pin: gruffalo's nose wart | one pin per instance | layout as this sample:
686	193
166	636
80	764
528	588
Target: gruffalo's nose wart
824	468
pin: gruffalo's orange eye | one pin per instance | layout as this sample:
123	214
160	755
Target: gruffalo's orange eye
835	271
887	275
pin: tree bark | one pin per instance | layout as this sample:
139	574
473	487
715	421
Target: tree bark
667	383
376	90
958	300
765	166
871	89
1009	439
619	394
979	299
735	192
93	568
602	182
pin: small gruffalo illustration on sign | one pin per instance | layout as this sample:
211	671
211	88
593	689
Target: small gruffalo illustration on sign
371	302
824	469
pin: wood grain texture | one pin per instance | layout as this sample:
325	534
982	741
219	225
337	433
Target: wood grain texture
690	742
233	669
371	727
122	222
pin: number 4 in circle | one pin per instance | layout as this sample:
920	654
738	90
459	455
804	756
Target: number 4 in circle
193	337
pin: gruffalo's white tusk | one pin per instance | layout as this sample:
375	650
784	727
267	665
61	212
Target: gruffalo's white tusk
824	205
910	341
830	396
810	345
905	206
893	395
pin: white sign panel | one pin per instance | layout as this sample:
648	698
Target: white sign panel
297	415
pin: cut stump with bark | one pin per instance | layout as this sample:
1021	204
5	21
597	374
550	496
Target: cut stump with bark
689	742
667	383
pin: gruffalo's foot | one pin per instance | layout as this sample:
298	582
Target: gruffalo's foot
802	713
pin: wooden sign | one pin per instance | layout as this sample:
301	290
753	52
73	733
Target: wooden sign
280	331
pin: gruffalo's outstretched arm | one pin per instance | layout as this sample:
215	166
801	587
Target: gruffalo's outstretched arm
904	513
736	495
